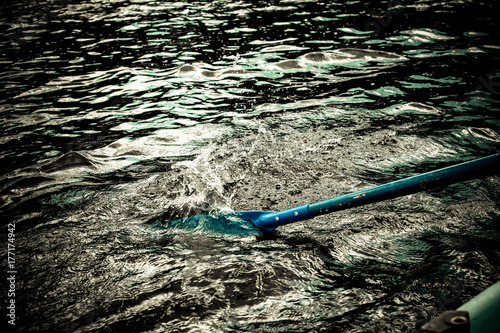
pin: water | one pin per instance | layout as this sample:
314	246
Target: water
121	118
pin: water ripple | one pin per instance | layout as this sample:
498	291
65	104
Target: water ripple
131	129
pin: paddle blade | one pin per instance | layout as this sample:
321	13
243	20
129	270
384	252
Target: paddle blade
221	223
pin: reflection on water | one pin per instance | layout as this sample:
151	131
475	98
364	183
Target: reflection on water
132	129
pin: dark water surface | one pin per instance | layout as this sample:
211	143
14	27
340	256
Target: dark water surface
119	117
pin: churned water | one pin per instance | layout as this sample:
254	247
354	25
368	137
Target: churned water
121	117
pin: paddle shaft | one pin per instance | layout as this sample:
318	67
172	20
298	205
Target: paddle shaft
445	176
441	177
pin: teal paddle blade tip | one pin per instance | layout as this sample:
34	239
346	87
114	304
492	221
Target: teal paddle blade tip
219	223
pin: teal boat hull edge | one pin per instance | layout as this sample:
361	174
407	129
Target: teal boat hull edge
479	315
484	310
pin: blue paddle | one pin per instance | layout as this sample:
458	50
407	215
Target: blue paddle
268	221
